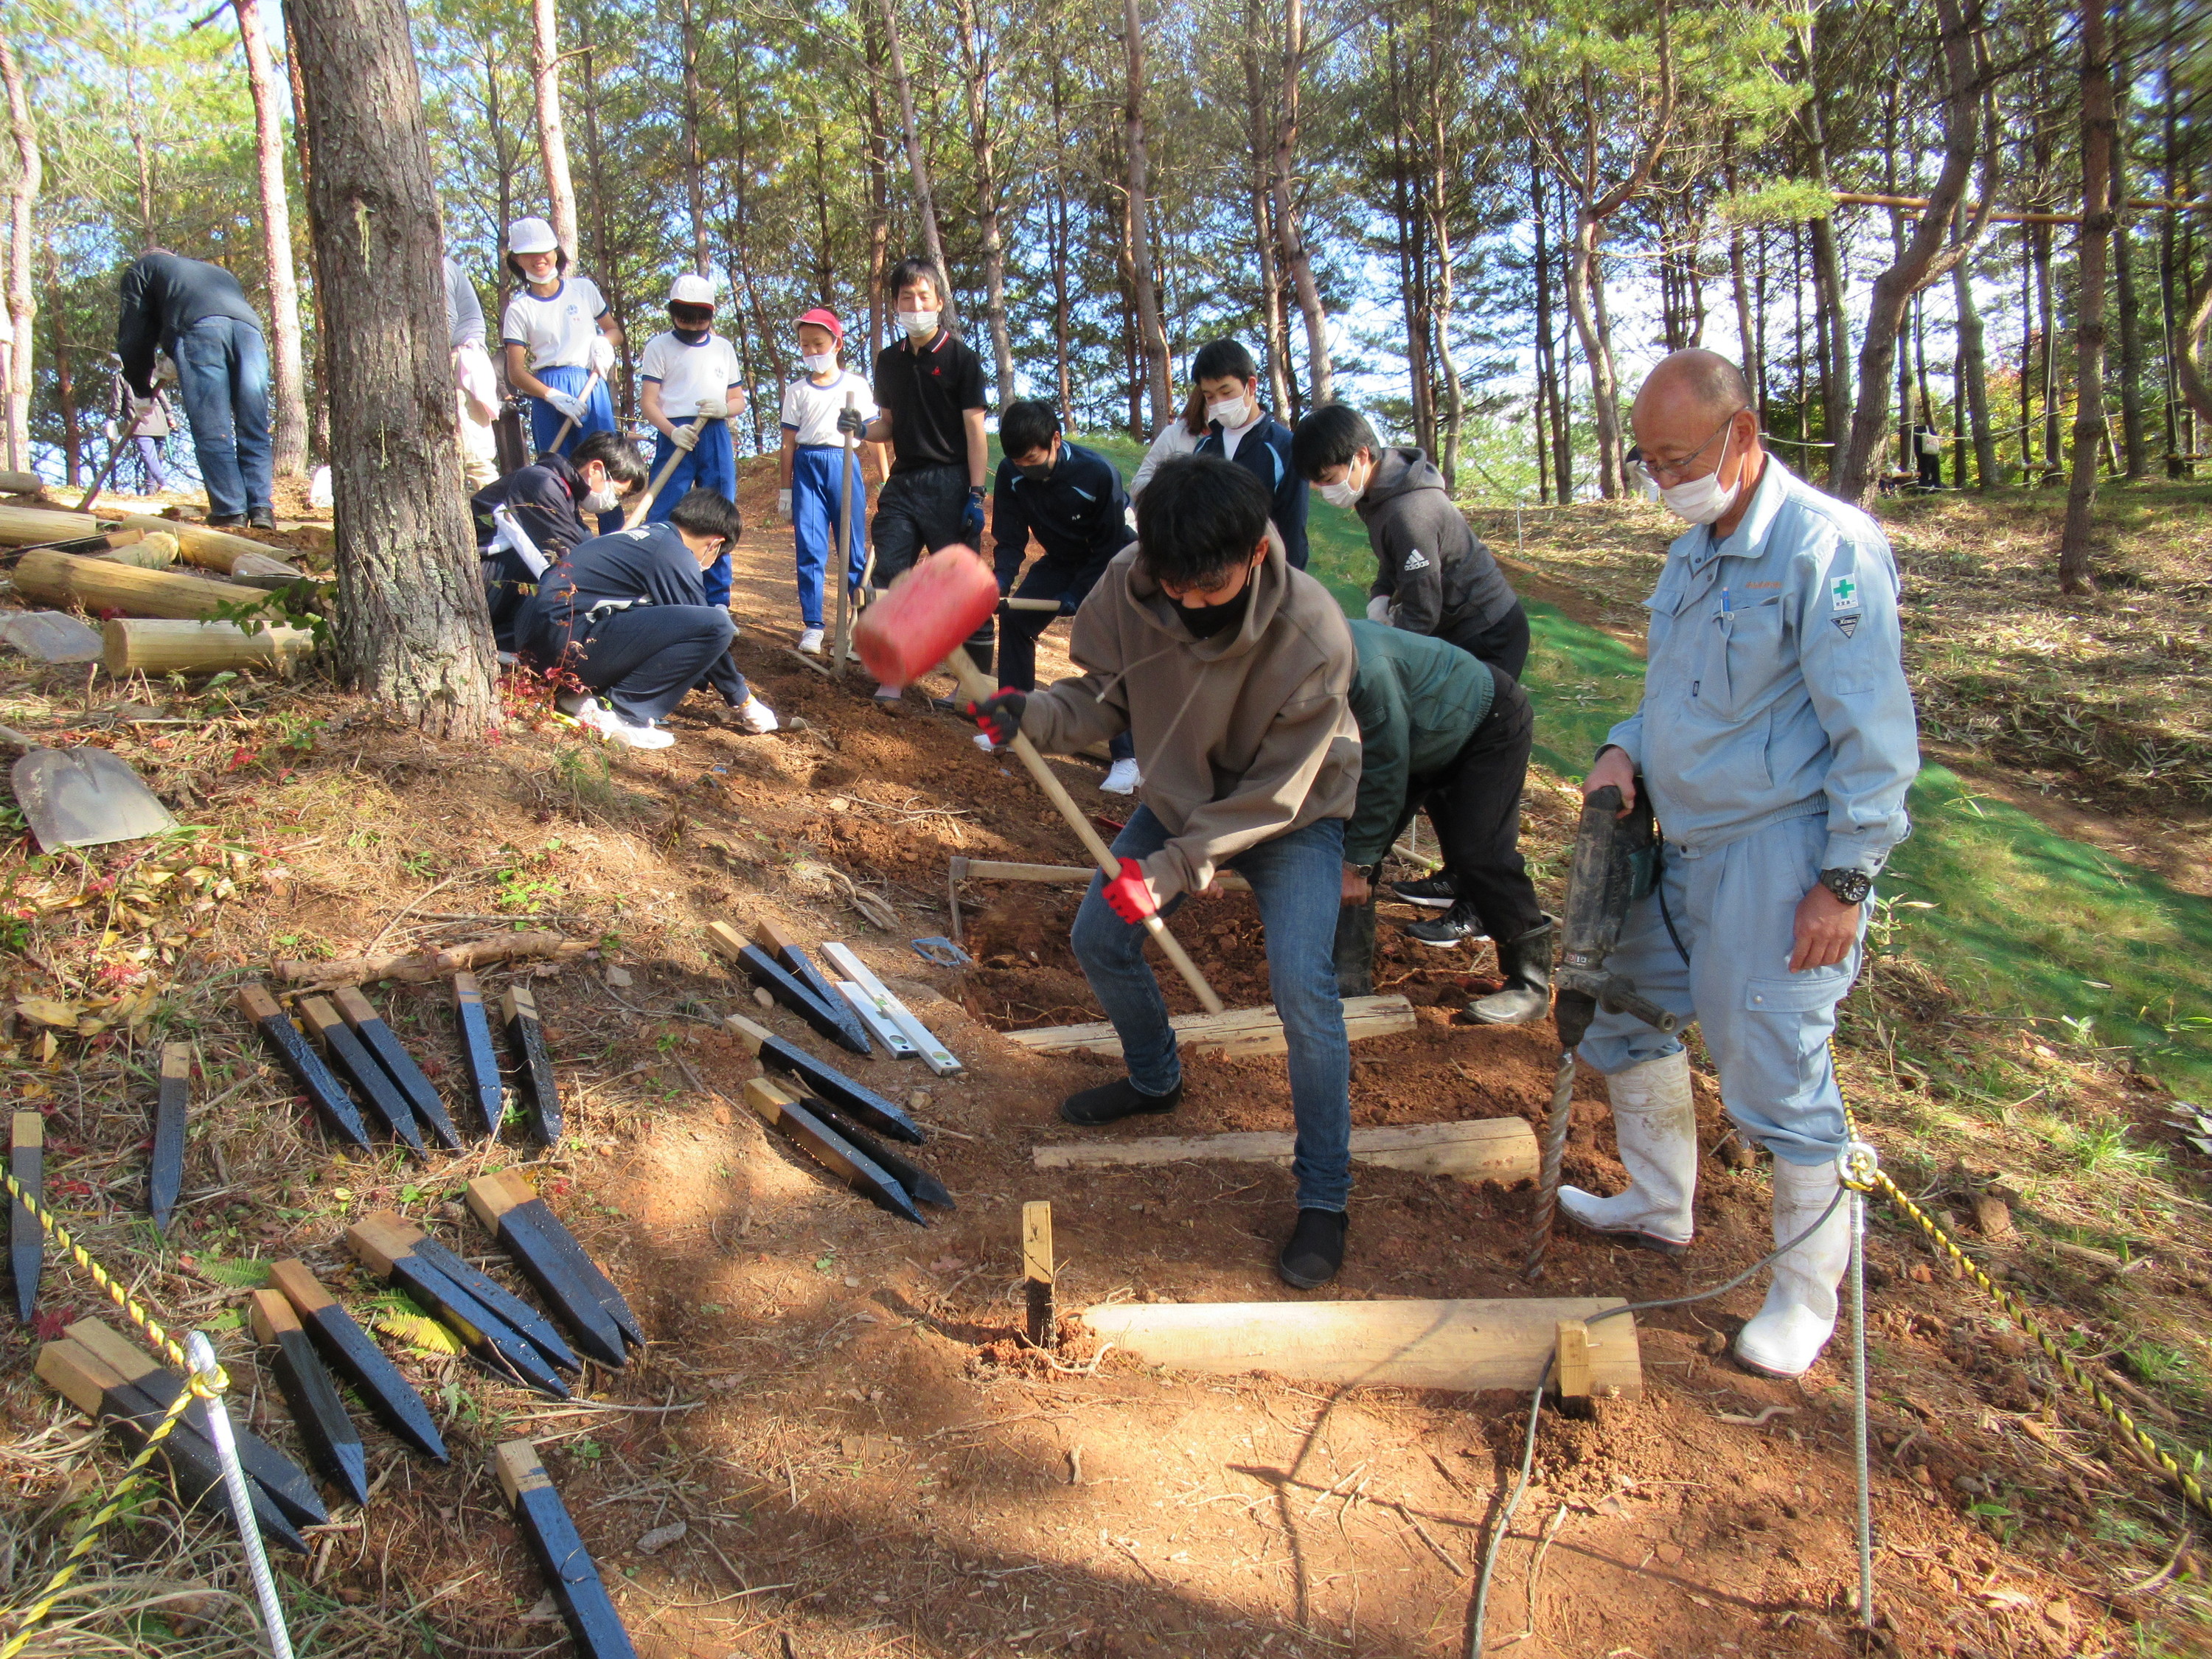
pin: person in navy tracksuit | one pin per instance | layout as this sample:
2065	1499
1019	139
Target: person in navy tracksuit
1240	430
1070	499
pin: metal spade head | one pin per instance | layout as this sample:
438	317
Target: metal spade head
83	796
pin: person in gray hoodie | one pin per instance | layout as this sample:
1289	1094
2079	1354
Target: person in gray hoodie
1432	575
1232	671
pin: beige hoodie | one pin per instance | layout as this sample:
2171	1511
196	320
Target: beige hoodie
1243	736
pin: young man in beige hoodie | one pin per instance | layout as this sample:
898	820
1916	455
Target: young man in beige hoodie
1230	669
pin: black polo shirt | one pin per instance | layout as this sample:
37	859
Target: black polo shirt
925	392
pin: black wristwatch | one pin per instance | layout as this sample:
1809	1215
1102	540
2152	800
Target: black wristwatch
1851	886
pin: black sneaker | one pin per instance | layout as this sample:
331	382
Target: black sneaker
1455	928
261	518
1434	892
1316	1251
1109	1103
225	520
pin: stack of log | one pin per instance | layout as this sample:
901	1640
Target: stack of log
160	619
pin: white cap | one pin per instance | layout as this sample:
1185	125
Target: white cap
691	290
531	236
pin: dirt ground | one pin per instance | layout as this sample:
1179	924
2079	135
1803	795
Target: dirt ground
836	1405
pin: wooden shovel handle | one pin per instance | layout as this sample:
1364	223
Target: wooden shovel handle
975	686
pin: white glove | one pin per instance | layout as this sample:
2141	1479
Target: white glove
603	354
683	437
570	408
714	409
1378	608
783	503
115	436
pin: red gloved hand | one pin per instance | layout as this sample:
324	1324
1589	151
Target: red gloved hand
1128	896
1000	716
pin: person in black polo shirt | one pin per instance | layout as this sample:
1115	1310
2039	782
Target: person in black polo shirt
1070	499
930	388
1237	429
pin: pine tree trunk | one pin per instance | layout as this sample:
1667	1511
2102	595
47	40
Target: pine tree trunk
2133	436
1547	390
1321	380
1830	294
22	299
1263	230
2098	124
287	378
695	162
1144	291
412	630
552	139
1989	470
1605	389
976	83
1056	230
1440	233
879	141
925	199
2190	340
319	403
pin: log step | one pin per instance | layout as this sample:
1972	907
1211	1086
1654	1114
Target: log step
1234	1031
1492	1149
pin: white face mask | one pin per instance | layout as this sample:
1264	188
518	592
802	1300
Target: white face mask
598	501
818	362
1230	415
917	323
1702	500
1341	493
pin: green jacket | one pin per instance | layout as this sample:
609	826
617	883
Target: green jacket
1417	701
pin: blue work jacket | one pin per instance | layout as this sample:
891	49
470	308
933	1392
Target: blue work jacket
1775	687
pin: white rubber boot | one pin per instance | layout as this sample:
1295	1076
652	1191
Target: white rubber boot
1655	1121
1787	1334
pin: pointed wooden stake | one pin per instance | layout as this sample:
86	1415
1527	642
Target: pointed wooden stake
385	1243
165	1177
822	1079
775	954
921	1185
381	1040
476	1051
26	1241
305	1066
1037	1275
570	1573
317	1411
378	1381
777	1106
525	1041
351	1060
510	1208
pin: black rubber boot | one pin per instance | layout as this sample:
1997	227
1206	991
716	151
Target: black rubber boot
1316	1251
1355	950
1109	1103
1451	930
1526	962
1434	892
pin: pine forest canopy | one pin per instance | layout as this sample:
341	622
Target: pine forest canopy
1479	222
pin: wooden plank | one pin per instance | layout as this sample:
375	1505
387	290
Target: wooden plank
1064	874
1462	1345
350	1058
1571	1373
385	1244
551	1259
1237	1031
1037	1273
398	1065
792	956
1490	1149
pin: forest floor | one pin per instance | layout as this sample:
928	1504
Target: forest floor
836	1405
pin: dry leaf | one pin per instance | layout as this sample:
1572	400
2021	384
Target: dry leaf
45	1011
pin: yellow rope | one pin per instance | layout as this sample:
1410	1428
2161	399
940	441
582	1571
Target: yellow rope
197	1387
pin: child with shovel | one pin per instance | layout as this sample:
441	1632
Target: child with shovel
813	496
1231	669
560	340
688	368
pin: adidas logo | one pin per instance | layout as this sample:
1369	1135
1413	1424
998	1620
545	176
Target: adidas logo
1416	560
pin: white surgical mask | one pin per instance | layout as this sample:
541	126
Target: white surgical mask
1228	415
917	323
598	501
1702	500
1341	493
818	362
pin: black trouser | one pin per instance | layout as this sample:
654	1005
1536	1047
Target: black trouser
644	660
508	583
1502	644
1475	804
923	509
1931	469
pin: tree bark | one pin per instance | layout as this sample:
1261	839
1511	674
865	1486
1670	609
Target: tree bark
319	407
1834	325
2134	439
1440	233
288	377
1973	359
2188	345
1928	254
552	138
1144	291
22	299
925	200
975	55
1320	379
878	144
1056	231
412	630
2098	122
1263	231
695	164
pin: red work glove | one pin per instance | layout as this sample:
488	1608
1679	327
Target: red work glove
1000	716
1128	896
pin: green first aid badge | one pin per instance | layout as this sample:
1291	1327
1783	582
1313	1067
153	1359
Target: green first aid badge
1843	593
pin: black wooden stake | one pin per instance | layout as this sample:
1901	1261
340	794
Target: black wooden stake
305	1066
385	1244
165	1179
351	1060
477	1051
381	1040
855	1099
570	1573
525	1041
26	1243
377	1380
504	1203
777	1106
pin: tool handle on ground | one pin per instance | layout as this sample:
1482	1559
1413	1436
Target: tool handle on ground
114	458
15	739
975	686
569	423
840	647
643	505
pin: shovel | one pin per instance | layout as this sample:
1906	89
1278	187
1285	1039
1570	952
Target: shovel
83	797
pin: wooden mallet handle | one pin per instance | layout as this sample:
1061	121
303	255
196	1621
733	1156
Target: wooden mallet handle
975	686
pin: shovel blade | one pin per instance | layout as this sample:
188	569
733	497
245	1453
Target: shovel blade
85	796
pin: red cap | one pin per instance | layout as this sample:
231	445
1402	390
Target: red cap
821	318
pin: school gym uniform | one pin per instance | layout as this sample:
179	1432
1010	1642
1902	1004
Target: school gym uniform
688	373
1262	447
809	415
557	330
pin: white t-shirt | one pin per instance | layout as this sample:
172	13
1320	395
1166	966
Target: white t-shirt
811	411
559	330
690	374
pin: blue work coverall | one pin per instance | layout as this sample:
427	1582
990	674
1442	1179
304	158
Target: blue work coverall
1777	738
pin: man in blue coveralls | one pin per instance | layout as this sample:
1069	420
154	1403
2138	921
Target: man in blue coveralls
1776	737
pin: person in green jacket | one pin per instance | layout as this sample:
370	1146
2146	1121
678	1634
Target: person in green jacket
1442	729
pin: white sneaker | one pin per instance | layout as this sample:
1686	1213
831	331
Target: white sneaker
890	693
1122	779
570	701
810	642
756	717
508	658
598	717
1655	1119
1786	1335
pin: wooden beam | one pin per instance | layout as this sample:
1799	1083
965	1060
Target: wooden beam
1464	1346
1237	1031
1070	875
779	1109
131	645
1502	1148
1037	1275
214	549
60	579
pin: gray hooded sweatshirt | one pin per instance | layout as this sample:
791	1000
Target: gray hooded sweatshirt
1439	578
1244	737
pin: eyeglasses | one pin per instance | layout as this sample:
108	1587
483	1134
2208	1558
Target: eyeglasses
1674	472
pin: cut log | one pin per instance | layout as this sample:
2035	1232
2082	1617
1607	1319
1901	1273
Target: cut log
1493	1148
20	483
211	550
133	645
1236	1031
1070	875
421	965
28	526
103	585
1464	1346
146	549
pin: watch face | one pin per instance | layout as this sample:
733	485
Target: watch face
1851	886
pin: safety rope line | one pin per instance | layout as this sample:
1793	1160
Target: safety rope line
197	1386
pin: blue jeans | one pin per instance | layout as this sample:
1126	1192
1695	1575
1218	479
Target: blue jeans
815	494
1297	879
222	379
